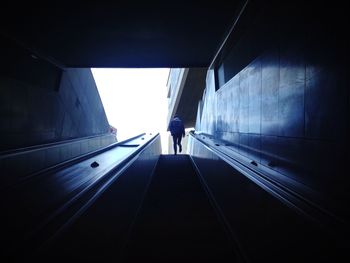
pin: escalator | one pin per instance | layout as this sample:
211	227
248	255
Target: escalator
175	222
40	208
138	205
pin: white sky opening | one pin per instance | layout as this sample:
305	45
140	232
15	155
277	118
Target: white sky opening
135	100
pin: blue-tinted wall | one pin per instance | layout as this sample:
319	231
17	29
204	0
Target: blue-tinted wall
41	103
48	114
280	95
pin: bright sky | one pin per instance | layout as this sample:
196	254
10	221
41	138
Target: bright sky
135	100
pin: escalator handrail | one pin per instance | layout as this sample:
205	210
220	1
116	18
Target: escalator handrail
72	161
10	152
301	204
86	196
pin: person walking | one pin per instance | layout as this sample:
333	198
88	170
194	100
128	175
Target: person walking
177	131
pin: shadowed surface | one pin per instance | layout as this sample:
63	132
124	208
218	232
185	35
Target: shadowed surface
120	34
176	222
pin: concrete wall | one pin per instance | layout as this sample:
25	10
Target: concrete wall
185	88
32	115
42	102
284	97
48	114
176	83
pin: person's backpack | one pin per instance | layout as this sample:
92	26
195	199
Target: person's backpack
176	127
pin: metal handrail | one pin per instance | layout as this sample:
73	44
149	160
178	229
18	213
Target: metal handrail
10	152
74	160
85	197
286	194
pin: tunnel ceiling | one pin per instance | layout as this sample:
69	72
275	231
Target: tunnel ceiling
121	33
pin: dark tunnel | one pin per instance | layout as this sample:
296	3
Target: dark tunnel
264	176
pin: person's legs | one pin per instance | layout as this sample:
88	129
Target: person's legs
179	142
174	144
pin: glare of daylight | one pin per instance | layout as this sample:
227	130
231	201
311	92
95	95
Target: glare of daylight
134	100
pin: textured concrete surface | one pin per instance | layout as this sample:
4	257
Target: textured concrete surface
19	164
284	104
36	114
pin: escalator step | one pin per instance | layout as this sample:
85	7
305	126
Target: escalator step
176	222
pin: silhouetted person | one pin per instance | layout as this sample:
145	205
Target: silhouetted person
177	130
